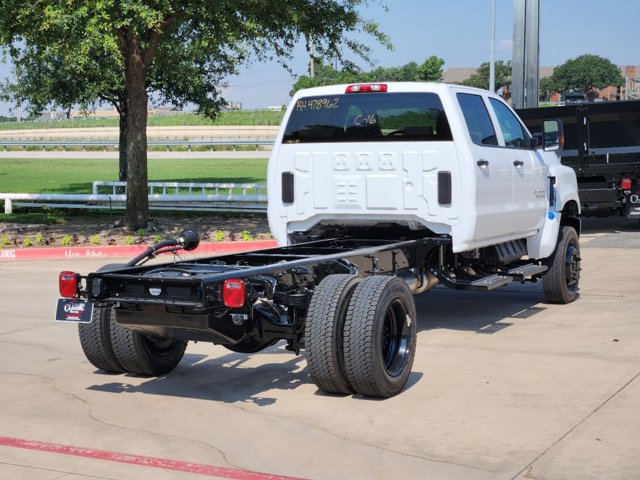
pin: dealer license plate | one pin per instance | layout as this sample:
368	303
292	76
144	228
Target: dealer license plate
633	203
74	310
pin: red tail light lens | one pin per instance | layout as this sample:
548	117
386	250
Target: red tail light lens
233	293
68	284
625	184
367	87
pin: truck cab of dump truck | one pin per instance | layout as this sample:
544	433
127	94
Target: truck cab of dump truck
450	159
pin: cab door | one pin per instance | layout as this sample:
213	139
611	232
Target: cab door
493	171
529	172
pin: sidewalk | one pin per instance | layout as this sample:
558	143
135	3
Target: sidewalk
11	254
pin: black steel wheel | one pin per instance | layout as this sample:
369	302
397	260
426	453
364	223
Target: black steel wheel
380	336
144	354
561	283
95	337
324	326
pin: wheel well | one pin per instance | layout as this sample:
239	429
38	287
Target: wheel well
570	216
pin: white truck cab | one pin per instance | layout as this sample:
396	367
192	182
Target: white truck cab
450	159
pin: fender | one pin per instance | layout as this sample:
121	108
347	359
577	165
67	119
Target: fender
543	244
566	186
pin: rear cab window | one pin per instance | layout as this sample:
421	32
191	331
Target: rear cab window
368	117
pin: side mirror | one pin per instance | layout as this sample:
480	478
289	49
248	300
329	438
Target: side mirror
552	135
536	140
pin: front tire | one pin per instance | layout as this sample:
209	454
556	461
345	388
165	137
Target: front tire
380	336
561	283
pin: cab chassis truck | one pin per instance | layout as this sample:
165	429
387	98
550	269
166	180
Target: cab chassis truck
377	192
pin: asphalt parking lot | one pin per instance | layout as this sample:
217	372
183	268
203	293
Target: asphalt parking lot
504	386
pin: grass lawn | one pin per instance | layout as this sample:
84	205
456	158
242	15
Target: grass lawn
75	176
233	118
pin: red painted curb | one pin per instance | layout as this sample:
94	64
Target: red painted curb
154	462
124	251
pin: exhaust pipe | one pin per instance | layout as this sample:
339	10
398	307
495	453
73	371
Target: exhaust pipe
418	280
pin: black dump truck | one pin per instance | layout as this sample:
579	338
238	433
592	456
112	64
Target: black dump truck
602	145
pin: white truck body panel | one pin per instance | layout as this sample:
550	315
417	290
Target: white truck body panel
350	183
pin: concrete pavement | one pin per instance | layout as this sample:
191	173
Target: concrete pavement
504	386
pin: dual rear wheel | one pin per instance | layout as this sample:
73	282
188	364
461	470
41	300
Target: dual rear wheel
361	335
112	348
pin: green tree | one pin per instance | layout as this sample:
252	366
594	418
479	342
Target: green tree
577	74
50	77
177	51
480	79
429	71
324	75
546	87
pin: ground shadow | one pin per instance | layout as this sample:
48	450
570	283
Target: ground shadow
225	379
236	377
480	312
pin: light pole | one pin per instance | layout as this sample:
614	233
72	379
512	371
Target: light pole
492	58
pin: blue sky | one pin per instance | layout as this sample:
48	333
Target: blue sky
459	31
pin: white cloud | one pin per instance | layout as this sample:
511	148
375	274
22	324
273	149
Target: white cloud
504	45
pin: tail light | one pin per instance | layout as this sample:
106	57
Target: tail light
68	283
366	87
625	184
233	293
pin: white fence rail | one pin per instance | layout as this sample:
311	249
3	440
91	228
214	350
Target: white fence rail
240	197
151	143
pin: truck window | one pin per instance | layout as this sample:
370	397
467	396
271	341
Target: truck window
477	119
512	131
368	117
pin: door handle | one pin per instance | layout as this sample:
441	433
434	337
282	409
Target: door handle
518	163
483	163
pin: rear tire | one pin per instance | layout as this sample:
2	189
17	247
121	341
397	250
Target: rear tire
146	355
324	332
95	337
561	283
380	336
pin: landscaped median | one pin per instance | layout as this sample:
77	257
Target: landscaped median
11	254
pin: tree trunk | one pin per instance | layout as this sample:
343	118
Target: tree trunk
137	213
122	139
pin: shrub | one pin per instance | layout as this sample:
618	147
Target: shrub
246	236
66	240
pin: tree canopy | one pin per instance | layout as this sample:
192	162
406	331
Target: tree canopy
429	71
78	51
578	74
480	79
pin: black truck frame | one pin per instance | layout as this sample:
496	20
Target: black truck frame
344	297
602	145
